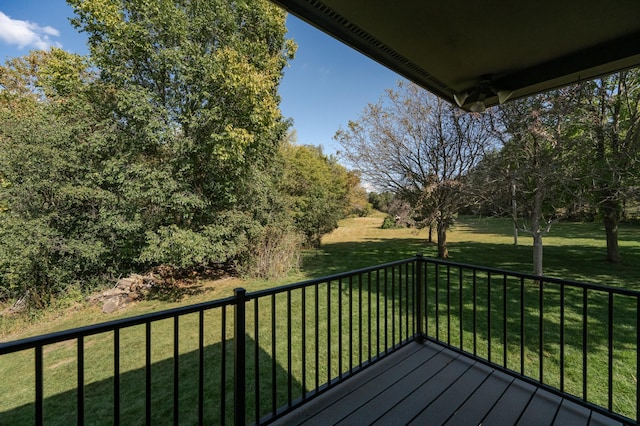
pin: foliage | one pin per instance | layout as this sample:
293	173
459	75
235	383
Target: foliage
277	253
197	96
51	233
186	249
166	155
390	223
357	199
530	178
381	201
207	75
606	147
317	190
571	153
490	186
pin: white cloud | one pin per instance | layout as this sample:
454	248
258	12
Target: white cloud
26	34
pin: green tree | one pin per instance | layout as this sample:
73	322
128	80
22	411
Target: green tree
165	155
606	146
357	198
52	238
381	200
317	190
196	100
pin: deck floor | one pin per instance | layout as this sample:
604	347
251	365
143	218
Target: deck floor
427	384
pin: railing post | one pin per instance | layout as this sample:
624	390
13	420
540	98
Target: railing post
239	357
39	386
419	302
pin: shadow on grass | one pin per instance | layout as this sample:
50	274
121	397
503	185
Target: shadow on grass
348	256
61	409
565	230
573	262
173	286
175	293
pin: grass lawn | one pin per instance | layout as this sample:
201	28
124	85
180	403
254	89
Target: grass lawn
572	251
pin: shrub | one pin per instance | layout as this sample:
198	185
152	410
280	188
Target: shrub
390	223
276	254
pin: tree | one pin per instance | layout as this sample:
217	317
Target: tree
357	198
166	154
419	147
530	178
195	95
607	146
52	236
381	200
317	190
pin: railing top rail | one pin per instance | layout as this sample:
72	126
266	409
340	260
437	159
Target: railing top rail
546	279
60	336
47	339
56	337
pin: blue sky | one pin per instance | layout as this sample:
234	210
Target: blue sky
327	84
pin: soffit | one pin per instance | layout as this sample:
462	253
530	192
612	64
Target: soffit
482	47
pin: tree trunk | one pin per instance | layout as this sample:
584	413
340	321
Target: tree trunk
537	251
611	221
514	210
443	253
430	233
536	229
609	181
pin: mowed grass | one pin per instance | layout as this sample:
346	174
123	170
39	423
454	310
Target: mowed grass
572	251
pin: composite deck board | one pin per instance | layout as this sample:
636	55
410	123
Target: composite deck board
572	414
331	407
445	405
541	410
426	384
441	365
474	409
509	407
598	419
405	409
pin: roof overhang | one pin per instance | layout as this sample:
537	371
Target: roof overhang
485	50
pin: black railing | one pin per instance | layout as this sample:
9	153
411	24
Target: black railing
280	347
577	340
208	364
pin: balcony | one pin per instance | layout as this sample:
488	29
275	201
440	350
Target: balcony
396	343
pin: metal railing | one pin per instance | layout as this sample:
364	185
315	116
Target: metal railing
253	357
211	364
580	341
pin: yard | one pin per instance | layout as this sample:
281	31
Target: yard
572	251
